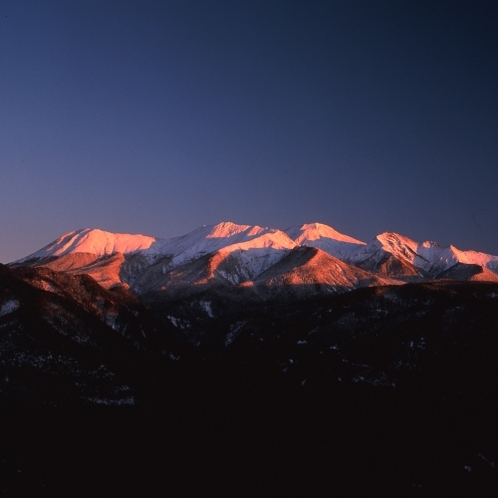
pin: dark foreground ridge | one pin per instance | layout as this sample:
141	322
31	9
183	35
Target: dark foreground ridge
384	388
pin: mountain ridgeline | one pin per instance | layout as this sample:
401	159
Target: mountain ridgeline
313	258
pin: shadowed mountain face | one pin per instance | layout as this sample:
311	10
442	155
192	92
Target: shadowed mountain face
307	271
64	337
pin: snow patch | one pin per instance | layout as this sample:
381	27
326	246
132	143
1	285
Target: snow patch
9	307
487	460
130	400
206	306
234	332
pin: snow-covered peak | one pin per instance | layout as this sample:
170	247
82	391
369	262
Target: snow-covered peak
429	256
93	241
402	248
227	236
228	229
325	238
315	231
398	245
475	258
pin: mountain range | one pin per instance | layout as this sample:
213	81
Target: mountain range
313	258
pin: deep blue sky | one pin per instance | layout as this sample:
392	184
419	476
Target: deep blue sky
157	117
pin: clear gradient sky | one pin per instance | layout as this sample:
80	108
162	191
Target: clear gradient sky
158	116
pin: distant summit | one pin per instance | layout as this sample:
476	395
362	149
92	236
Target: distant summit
92	241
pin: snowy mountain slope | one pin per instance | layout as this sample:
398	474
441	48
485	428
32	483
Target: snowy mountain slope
392	260
92	241
106	270
474	258
203	240
146	263
325	238
227	236
311	270
428	259
227	267
391	254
